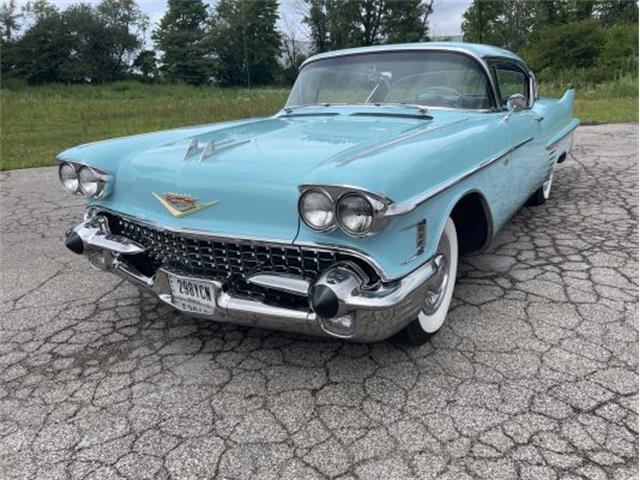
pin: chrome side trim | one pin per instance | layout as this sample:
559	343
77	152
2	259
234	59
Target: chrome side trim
286	283
245	239
406	207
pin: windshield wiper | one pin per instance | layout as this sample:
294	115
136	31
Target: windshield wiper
423	109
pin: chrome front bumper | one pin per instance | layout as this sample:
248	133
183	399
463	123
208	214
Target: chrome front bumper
341	303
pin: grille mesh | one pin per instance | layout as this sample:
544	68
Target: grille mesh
224	260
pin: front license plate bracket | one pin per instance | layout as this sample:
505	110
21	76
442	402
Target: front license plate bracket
192	295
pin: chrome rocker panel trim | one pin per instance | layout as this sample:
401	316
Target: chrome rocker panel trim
377	312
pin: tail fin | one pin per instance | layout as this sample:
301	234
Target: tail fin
569	98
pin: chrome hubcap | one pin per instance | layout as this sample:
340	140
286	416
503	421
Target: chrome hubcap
437	285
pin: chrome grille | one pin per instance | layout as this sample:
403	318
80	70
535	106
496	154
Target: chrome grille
224	260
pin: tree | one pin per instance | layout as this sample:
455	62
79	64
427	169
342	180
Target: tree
9	24
181	37
351	23
35	10
42	53
245	41
480	21
82	43
556	48
505	23
620	48
146	64
614	12
406	21
512	23
293	55
318	25
9	20
125	23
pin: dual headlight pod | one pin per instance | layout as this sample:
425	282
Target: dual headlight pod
84	180
358	213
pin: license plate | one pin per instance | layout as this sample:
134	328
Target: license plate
192	295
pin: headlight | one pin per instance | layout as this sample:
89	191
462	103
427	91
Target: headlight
84	180
90	183
316	210
355	214
69	177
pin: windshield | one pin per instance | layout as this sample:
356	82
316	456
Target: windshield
431	78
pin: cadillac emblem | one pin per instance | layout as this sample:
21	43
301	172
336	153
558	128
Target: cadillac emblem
181	204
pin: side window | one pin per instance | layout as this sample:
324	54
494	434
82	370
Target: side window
511	81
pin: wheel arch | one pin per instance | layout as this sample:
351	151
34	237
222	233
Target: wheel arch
472	217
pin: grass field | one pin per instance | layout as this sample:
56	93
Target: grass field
39	122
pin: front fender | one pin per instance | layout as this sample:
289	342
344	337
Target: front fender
451	163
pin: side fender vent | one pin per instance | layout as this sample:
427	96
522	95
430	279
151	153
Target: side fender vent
421	240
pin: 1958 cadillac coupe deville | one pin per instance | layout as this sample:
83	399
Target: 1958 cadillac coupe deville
344	214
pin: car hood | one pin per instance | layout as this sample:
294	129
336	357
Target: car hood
249	170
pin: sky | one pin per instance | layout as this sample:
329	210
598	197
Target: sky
445	20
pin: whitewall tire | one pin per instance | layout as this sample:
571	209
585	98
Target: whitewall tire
440	289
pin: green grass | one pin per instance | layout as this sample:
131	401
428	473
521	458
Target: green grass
38	122
614	101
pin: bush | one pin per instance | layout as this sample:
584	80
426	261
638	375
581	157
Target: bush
13	83
620	48
584	53
557	47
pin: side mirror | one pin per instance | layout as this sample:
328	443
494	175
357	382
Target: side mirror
516	103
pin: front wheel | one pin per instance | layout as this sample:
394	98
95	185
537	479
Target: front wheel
439	292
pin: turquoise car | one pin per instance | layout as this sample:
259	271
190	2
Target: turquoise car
345	213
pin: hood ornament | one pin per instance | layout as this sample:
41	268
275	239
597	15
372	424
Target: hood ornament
203	150
181	204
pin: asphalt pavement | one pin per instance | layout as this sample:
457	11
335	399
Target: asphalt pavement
534	375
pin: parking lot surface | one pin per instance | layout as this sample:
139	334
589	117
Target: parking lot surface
534	376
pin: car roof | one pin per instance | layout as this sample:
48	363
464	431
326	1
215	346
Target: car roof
474	49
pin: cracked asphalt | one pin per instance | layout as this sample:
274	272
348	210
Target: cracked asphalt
534	376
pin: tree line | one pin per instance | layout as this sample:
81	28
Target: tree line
238	42
235	42
591	40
